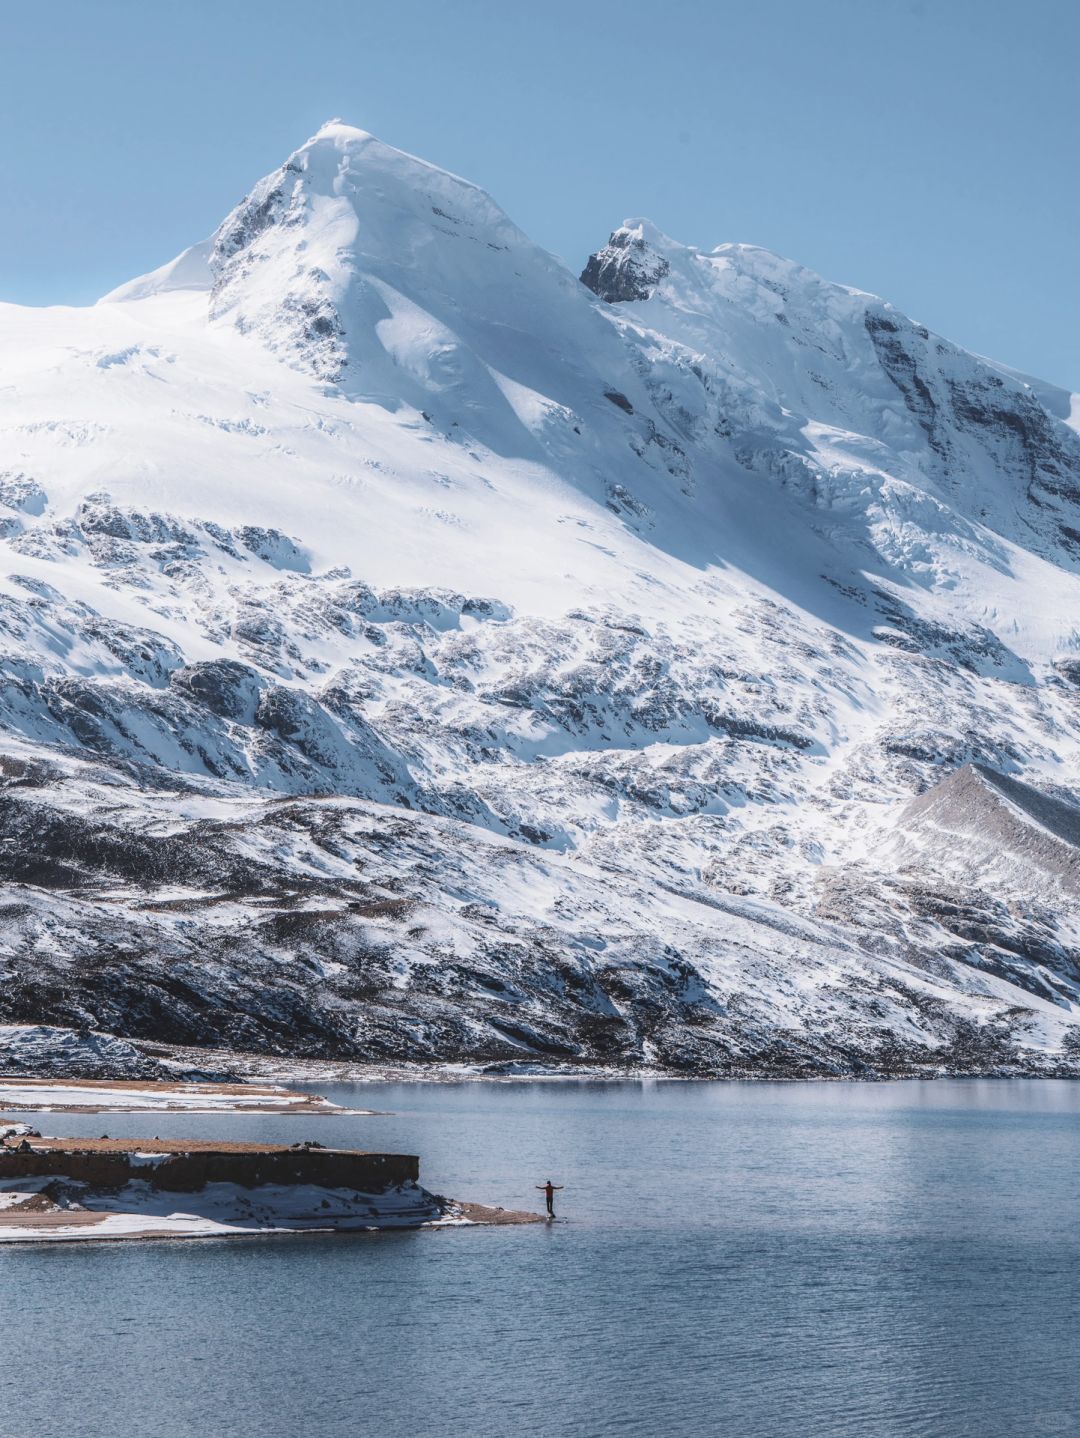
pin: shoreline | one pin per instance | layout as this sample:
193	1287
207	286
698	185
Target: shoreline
250	1073
127	1096
47	1228
307	1071
259	1082
39	1055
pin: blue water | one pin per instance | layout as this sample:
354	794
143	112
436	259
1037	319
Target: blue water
759	1261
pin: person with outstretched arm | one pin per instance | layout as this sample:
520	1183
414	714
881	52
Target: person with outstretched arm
549	1193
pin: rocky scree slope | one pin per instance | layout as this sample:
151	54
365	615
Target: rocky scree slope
411	651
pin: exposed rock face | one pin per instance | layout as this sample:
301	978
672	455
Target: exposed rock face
20	492
301	317
41	1050
1005	422
626	268
180	1171
228	689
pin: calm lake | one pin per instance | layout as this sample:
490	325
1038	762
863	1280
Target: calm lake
760	1261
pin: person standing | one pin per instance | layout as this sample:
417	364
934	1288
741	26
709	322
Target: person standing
550	1190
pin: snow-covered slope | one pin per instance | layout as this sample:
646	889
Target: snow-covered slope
410	649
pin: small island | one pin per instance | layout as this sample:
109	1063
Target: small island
62	1189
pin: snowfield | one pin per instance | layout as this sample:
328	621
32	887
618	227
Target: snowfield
219	1210
411	651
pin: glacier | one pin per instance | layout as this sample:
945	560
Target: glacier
414	651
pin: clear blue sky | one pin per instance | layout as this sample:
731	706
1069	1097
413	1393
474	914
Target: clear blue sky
926	150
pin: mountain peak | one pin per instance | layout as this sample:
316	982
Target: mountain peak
630	265
338	128
611	638
338	171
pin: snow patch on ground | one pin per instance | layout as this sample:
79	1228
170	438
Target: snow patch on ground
218	1210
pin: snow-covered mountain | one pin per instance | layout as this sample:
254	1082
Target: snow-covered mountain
410	649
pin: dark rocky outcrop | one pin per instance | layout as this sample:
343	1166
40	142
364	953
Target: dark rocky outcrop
224	686
625	269
180	1171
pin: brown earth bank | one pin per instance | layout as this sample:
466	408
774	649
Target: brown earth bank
51	1218
483	1213
169	1146
188	1165
478	1214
